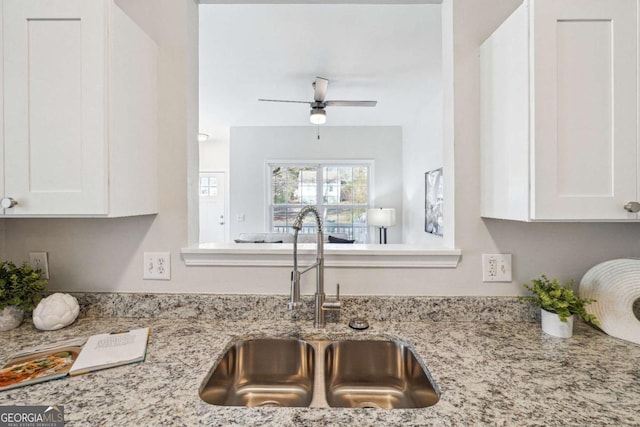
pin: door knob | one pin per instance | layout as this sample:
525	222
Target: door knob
632	207
8	202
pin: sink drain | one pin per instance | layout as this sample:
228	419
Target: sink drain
359	324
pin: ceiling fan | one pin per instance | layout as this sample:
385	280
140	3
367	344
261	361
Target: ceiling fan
318	114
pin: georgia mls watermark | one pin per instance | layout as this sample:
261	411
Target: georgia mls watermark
32	416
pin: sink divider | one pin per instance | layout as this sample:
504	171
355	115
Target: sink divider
319	398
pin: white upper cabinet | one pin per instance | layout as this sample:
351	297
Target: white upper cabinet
560	112
80	110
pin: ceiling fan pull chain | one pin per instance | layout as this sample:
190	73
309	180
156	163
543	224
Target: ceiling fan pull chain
318	127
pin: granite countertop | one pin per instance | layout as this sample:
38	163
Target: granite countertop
489	373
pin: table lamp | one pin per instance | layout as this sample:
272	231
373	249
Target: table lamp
381	218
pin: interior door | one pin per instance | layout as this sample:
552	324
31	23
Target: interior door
213	223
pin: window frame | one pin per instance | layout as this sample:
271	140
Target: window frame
319	164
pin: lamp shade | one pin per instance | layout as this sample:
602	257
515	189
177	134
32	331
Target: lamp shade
381	217
318	116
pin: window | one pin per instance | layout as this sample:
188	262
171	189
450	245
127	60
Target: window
208	186
339	191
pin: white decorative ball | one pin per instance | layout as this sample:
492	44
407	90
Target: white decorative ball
56	311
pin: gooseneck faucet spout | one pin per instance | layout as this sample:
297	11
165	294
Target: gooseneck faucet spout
320	297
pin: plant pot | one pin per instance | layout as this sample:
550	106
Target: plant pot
552	325
10	317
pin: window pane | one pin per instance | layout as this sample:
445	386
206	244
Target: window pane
359	234
278	185
330	194
330	174
308	187
330	217
330	187
293	184
360	217
213	186
204	186
340	221
346	174
346	194
346	185
345	217
360	185
279	219
283	218
360	195
292	194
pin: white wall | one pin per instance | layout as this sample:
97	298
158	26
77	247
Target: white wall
422	149
106	255
214	155
422	152
252	147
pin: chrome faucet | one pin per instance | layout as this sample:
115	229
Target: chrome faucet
322	302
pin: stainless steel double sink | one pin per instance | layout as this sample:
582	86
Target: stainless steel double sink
297	373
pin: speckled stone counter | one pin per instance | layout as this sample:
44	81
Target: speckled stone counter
489	373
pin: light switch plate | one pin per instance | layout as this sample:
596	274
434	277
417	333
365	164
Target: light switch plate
496	267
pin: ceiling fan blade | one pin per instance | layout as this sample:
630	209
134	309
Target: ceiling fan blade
284	100
351	103
320	89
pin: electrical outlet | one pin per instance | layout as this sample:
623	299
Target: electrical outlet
38	260
156	266
496	267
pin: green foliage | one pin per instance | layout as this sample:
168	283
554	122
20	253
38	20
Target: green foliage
20	286
552	296
286	182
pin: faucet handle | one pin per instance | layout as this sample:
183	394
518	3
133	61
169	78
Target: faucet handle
333	304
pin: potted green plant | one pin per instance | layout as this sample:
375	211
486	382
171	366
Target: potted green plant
558	304
21	289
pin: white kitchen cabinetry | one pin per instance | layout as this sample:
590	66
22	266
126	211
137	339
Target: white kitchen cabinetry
80	116
560	112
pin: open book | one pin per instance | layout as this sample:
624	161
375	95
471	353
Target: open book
74	357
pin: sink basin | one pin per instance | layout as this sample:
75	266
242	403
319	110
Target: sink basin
375	374
263	372
349	374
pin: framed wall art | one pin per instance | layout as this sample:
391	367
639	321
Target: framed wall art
433	202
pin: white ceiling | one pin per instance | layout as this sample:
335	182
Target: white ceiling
388	53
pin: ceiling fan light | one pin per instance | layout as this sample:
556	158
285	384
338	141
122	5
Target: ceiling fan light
318	116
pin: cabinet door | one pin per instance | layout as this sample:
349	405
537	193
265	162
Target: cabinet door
54	105
585	111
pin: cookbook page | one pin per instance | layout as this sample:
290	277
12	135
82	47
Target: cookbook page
108	350
39	364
